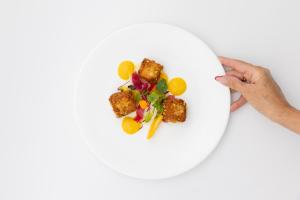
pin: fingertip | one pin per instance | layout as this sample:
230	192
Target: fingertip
233	108
237	104
221	79
218	77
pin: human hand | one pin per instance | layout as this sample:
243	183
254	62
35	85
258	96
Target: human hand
256	86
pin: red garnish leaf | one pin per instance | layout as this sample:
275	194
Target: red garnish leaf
135	78
138	83
139	114
145	86
152	87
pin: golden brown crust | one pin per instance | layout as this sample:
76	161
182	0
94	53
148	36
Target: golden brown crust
150	70
174	110
122	103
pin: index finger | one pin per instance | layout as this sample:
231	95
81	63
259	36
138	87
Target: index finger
237	65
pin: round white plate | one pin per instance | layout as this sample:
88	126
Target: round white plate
175	148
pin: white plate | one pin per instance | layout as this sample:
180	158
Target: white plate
175	148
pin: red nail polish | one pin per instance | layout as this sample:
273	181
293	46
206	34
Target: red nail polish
217	77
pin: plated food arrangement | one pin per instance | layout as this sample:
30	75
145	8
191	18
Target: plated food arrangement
147	96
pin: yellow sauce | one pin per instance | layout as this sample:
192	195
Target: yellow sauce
130	126
177	86
125	69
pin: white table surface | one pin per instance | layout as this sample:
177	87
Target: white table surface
42	45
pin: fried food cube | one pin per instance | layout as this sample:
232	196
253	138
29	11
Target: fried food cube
150	70
174	110
122	103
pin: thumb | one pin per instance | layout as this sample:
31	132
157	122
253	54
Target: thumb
231	82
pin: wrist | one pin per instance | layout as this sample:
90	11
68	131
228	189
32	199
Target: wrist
291	111
290	118
282	113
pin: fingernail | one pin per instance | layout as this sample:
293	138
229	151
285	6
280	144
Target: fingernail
217	77
221	79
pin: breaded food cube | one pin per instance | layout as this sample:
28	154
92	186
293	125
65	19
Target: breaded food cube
150	70
122	103
174	110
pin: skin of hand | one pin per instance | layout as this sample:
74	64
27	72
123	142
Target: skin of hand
257	87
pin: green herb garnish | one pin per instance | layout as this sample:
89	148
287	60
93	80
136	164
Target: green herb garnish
153	96
148	116
137	95
157	96
158	106
162	86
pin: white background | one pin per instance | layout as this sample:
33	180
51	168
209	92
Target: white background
42	45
